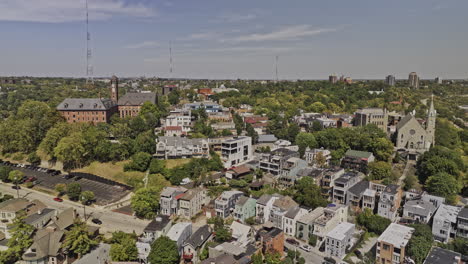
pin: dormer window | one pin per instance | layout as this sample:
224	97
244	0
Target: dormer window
81	105
65	105
95	105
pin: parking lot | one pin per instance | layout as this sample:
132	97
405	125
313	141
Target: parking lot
104	193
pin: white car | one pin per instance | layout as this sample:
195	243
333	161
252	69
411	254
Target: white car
306	247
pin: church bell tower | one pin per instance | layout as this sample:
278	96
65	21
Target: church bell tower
114	89
430	122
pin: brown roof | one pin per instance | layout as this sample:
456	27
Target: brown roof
190	194
285	203
241	170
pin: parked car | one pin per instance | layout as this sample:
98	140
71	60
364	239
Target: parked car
306	247
292	241
31	179
58	199
96	221
77	178
67	176
16	187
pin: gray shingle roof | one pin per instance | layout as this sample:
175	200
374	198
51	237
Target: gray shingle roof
34	217
85	104
198	238
463	213
359	188
438	255
158	223
137	98
266	138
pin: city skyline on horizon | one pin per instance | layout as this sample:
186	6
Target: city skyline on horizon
211	40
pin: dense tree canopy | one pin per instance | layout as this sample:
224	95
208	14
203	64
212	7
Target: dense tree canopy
164	251
145	202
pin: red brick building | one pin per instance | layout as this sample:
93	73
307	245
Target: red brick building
84	110
272	240
130	104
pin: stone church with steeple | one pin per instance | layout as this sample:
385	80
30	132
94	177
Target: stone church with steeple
414	136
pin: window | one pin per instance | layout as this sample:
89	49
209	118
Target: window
386	247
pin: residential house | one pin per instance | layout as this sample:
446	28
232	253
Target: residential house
265	141
99	255
239	253
343	184
158	227
263	207
225	203
290	172
194	245
462	223
220	259
46	248
237	172
192	201
326	122
236	151
357	160
305	224
271	240
41	218
391	244
179	233
10	209
291	217
318	157
389	202
419	210
339	239
181	147
444	224
355	194
332	215
244	208
439	255
216	143
279	209
369	199
274	161
210	107
168	203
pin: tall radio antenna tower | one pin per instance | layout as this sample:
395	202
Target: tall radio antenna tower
89	67
170	59
276	67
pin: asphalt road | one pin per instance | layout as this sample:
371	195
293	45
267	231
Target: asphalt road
111	221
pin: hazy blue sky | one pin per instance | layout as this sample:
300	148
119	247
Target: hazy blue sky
237	38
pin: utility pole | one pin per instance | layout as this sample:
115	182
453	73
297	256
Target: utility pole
84	207
16	184
170	59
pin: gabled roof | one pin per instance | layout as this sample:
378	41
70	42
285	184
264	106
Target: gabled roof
284	203
137	98
85	104
65	219
46	243
158	223
198	238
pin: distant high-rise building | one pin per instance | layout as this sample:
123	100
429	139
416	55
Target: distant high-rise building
413	80
348	80
438	80
390	80
115	89
332	78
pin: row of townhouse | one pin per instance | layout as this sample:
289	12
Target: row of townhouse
181	147
182	202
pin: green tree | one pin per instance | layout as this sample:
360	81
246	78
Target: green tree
307	193
222	233
74	191
15	176
61	188
77	239
373	223
140	162
163	251
87	197
313	240
123	247
157	166
420	243
21	237
443	184
33	158
53	137
71	150
304	141
410	182
4	173
145	202
257	258
380	170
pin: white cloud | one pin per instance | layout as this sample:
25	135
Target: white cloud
144	44
57	11
286	33
201	36
235	18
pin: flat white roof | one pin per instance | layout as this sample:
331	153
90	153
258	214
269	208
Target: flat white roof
340	230
397	235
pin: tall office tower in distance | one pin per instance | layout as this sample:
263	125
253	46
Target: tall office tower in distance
438	80
333	78
390	80
413	80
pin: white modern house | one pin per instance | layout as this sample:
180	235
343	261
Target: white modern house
179	233
236	151
339	239
263	207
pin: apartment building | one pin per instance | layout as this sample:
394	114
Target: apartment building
305	224
192	201
391	244
376	116
339	239
291	217
236	151
332	215
389	202
327	182
181	147
316	156
419	210
179	233
225	203
276	160
343	184
444	224
357	160
462	223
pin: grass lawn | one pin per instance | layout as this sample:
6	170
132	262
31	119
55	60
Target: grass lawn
171	163
112	171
